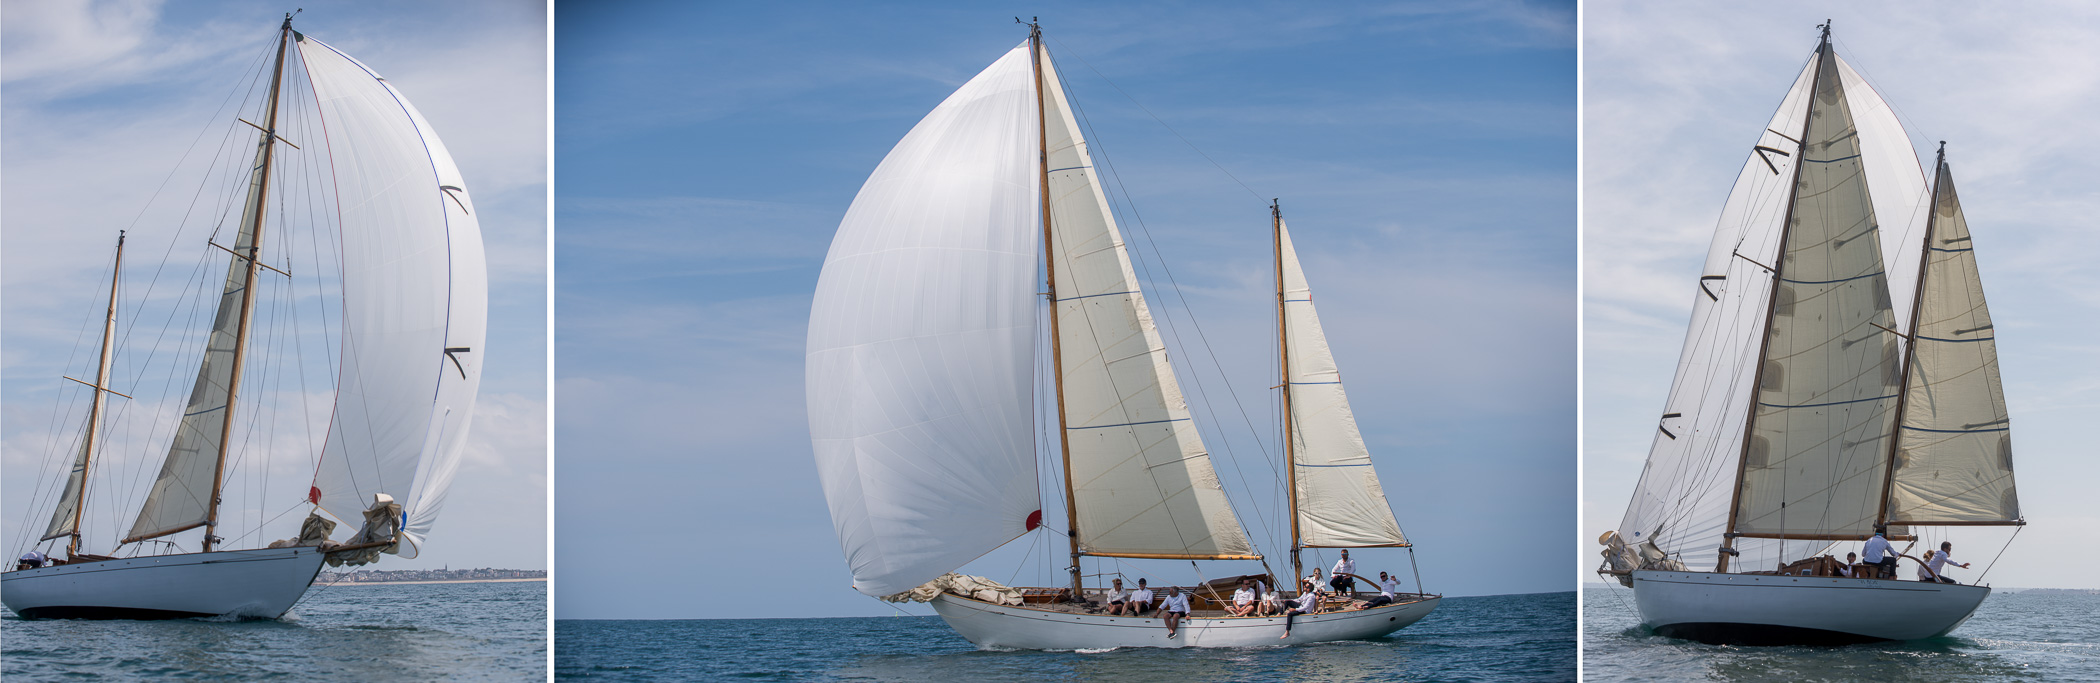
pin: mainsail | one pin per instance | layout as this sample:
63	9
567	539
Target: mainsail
1339	500
180	499
1954	448
921	342
1142	484
1827	387
415	300
1683	501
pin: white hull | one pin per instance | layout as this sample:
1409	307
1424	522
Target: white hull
1002	626
1763	609
260	583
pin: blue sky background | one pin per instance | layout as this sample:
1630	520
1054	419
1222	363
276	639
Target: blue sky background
99	102
1675	95
1425	156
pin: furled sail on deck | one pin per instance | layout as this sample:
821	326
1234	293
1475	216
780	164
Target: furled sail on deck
1340	503
922	337
1954	450
1827	390
415	300
180	498
1142	484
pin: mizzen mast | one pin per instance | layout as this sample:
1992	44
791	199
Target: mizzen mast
1283	354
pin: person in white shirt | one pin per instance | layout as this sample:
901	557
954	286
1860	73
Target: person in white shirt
1271	604
1174	609
1117	597
1388	589
1938	561
1846	568
1878	552
1342	581
1308	602
1242	600
1138	601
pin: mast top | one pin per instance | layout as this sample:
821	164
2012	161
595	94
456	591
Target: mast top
1035	26
1826	30
288	17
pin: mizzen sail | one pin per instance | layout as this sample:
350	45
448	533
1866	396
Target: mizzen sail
1340	502
1954	448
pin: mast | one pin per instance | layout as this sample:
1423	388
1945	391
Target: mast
94	433
240	337
1057	363
1786	229
1283	354
1910	340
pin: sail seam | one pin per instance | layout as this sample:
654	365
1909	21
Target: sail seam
1129	424
1819	405
1827	282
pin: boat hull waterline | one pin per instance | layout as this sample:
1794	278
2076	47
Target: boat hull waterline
262	583
1005	626
1769	609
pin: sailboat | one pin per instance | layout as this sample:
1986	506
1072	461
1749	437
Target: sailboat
920	390
414	291
1801	415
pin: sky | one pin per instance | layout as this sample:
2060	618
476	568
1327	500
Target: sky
109	112
1424	155
1674	97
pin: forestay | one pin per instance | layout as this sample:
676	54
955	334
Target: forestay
1340	502
921	342
1142	483
1954	453
415	300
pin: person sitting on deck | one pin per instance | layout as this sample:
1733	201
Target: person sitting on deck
1116	596
1242	600
1936	561
1388	591
1320	582
1846	568
1880	554
1174	609
1343	582
1308	602
1271	604
1139	601
31	560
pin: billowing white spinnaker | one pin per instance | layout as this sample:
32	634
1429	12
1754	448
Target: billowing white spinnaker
415	300
922	337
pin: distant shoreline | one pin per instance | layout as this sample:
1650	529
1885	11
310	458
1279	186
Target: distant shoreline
399	583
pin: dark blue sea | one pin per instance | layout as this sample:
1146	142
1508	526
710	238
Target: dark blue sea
1496	638
2015	636
374	632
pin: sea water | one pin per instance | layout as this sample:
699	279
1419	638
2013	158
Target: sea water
371	632
1496	638
2016	635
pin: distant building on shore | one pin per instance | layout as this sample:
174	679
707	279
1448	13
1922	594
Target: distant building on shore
402	575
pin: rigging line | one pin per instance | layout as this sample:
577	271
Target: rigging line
200	275
1210	407
2001	553
1162	123
28	523
138	312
